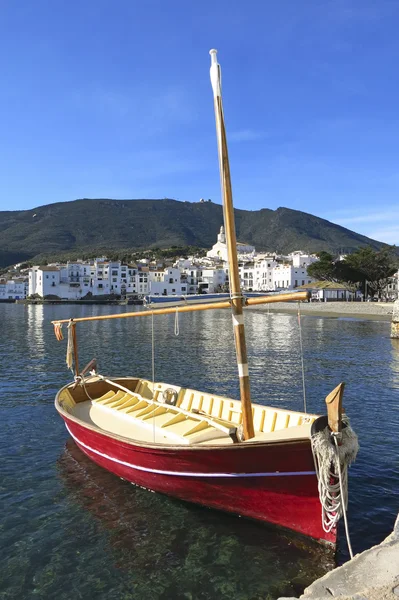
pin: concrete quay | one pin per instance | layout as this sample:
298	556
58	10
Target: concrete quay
371	575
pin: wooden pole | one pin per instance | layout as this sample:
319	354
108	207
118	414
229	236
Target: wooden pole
291	297
334	408
234	276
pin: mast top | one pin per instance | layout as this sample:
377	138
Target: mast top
213	53
215	75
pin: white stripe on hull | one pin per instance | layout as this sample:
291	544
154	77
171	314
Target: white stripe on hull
186	473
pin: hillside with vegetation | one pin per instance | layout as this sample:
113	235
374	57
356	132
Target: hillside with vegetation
95	226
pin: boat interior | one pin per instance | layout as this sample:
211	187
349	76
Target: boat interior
141	411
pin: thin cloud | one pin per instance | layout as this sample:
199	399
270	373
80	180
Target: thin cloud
145	109
389	235
375	225
245	135
349	217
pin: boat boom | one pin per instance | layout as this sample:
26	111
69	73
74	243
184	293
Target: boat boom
294	296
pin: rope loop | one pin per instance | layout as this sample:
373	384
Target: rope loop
177	328
331	463
238	295
58	331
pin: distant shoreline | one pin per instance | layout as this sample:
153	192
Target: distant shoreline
375	311
109	302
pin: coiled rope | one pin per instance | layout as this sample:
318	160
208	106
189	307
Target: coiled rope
331	462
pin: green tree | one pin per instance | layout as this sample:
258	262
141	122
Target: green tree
323	269
377	267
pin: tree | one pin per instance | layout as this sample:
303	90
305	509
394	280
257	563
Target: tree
377	267
323	269
351	276
337	271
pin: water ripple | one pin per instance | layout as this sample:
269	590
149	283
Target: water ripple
71	529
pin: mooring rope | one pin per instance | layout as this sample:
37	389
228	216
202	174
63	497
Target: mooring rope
153	371
331	463
345	505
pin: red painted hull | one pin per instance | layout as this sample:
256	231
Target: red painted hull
280	486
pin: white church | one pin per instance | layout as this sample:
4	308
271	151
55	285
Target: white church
219	250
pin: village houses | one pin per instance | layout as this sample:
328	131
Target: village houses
259	272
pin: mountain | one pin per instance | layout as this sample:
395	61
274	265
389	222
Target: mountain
97	225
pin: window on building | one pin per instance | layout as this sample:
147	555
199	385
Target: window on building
296	283
100	285
303	282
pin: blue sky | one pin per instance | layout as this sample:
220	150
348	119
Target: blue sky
104	98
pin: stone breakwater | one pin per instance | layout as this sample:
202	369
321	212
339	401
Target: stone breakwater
371	575
361	310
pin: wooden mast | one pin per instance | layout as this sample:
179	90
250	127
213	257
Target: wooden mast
234	277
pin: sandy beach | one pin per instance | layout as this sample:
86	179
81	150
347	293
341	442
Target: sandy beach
358	310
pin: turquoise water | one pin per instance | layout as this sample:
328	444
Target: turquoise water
69	529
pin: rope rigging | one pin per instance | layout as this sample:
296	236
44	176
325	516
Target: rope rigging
332	457
302	363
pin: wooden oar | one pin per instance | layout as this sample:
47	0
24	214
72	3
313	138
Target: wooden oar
294	296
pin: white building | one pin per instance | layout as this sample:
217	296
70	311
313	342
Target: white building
301	259
263	273
77	280
212	280
171	284
13	289
286	276
391	291
44	280
219	250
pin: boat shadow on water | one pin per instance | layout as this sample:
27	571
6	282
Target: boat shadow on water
186	551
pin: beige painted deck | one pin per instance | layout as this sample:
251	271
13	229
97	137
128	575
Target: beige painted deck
138	413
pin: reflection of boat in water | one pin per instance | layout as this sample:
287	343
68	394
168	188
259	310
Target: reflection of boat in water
244	458
184	547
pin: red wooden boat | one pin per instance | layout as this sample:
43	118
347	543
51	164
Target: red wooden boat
239	457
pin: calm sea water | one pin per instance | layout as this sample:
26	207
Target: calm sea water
68	529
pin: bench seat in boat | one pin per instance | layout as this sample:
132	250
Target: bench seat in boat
139	415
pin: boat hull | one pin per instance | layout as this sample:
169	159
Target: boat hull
270	482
